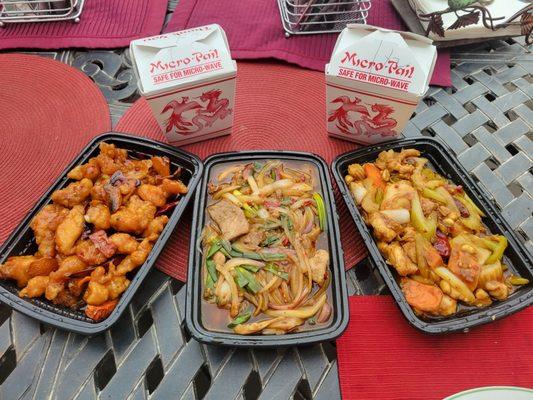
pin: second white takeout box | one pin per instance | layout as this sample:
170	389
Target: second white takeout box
188	79
374	81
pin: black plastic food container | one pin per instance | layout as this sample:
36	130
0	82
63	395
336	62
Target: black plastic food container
339	300
517	258
22	240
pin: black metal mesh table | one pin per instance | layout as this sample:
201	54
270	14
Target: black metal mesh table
486	118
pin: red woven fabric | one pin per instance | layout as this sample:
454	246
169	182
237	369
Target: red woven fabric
104	24
382	357
279	107
254	32
50	111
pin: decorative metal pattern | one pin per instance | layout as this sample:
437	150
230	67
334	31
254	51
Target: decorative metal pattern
20	11
486	118
304	17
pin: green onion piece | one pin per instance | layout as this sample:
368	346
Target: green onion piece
240	319
321	208
258	166
223	251
251	268
209	282
240	279
286	201
269	241
249	211
252	283
273	256
273	268
312	320
226	245
213	249
286	222
272	174
212	270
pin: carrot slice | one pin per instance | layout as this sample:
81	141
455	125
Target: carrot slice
102	311
423	297
374	174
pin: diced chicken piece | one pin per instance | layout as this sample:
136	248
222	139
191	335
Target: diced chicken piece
427	205
410	249
397	195
498	290
229	218
448	306
397	257
465	265
384	228
319	264
425	298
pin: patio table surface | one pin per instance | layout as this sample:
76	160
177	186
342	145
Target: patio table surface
486	118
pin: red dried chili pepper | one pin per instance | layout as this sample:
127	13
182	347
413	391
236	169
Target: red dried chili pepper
442	244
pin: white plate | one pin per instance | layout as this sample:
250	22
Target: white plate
494	393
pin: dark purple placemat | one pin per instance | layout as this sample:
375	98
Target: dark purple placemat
255	31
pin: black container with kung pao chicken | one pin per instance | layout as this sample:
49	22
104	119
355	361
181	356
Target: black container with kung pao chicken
447	256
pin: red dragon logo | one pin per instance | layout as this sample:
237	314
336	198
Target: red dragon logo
367	125
205	115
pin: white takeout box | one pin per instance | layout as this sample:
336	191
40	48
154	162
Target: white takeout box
188	79
374	81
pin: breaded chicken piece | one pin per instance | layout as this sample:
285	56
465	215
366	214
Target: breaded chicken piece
155	228
125	243
74	194
44	225
134	217
105	286
173	187
68	266
158	195
90	170
16	268
89	253
98	214
111	159
69	230
161	165
36	287
135	259
154	194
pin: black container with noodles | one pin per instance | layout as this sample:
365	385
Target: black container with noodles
199	314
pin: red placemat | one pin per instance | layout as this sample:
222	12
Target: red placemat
382	357
50	111
104	24
279	107
255	31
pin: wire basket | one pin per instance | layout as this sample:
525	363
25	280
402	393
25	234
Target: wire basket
303	17
17	11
